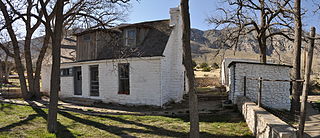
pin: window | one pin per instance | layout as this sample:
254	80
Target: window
124	84
94	80
130	35
65	72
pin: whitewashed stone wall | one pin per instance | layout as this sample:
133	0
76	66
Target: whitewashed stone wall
274	94
45	78
262	123
224	73
172	69
144	81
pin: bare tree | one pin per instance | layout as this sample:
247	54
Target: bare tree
8	25
296	86
193	99
55	35
242	18
92	13
54	31
22	11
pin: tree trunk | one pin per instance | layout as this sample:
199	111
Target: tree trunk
193	100
55	74
39	65
27	52
296	86
1	72
263	51
28	60
262	37
22	79
6	69
306	84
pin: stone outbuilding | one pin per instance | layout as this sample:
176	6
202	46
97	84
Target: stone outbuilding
275	94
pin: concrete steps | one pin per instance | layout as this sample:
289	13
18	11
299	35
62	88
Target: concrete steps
202	97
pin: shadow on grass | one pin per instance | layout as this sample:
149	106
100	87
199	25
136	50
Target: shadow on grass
223	118
120	131
24	121
63	131
5	106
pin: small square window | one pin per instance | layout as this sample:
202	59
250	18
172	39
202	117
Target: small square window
130	39
65	72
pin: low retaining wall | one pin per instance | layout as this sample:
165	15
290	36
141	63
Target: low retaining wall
262	123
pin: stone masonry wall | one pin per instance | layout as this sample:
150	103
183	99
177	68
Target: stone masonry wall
274	94
144	81
172	69
262	123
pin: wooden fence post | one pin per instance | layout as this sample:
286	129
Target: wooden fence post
245	86
260	91
306	83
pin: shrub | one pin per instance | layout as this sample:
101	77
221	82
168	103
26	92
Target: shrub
314	87
206	69
215	66
204	65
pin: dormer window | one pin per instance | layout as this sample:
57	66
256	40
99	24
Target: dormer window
130	37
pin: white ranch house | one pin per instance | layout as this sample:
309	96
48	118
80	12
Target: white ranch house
143	67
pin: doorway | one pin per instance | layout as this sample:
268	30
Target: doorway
77	80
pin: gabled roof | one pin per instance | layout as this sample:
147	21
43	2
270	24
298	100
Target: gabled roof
95	30
153	44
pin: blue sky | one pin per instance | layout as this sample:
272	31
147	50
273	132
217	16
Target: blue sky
146	10
159	9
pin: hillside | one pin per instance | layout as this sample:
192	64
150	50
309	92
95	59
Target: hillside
207	46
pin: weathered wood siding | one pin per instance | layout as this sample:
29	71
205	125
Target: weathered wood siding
86	49
91	49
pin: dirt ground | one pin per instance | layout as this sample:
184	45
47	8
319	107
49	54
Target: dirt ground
212	74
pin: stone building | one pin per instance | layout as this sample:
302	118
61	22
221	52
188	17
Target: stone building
275	94
138	64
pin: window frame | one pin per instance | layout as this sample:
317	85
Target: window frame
66	72
94	93
124	79
134	37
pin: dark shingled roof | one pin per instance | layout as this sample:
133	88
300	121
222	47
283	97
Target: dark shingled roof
153	44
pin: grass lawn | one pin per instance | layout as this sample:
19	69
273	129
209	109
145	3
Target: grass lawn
25	121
